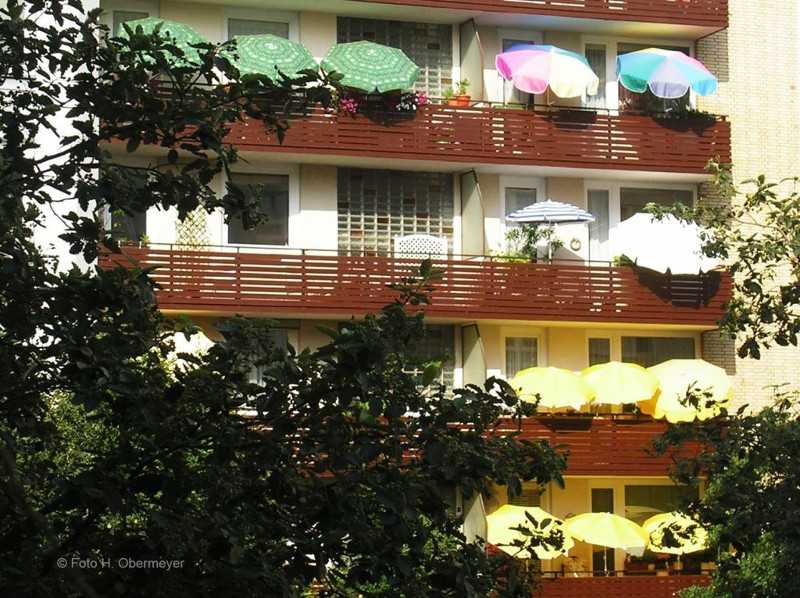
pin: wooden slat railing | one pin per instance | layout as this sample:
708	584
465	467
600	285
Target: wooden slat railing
701	13
327	284
619	587
602	445
569	138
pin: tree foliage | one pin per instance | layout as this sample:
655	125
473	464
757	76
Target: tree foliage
751	497
318	474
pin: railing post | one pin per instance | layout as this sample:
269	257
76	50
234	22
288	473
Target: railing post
171	286
303	277
238	270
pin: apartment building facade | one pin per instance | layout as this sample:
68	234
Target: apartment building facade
352	197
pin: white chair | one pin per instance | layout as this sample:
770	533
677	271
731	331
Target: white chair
420	247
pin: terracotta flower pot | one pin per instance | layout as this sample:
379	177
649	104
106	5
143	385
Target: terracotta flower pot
459	101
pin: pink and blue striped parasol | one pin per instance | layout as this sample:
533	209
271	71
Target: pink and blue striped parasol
667	73
532	68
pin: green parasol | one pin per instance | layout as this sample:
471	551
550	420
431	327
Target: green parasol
267	54
369	67
183	35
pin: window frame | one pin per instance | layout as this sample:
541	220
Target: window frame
150	224
615	336
612	48
614	200
151	7
517	182
591	335
520	332
503	34
293	172
658	335
525	336
258	14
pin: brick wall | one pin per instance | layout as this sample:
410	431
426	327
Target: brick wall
756	62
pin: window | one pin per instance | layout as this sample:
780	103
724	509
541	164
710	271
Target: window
648	351
273	193
375	206
438	343
521	353
531	496
257	27
598	205
642	502
518	192
512	95
599	351
633	200
128	227
428	45
123	16
283	336
518	198
629	100
596	56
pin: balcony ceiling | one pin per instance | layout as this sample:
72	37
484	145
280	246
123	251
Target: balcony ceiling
369	9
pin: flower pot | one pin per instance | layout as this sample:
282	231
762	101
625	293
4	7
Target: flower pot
459	101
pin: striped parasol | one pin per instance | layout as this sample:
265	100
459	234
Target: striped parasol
550	212
667	73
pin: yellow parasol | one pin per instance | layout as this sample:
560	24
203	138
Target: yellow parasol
683	525
617	383
607	529
557	387
501	532
676	377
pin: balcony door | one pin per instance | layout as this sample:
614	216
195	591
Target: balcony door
598	202
510	38
602	557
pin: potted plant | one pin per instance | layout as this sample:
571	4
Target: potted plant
525	241
449	97
462	98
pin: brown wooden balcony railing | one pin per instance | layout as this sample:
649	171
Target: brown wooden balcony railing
616	445
569	138
701	13
227	279
619	587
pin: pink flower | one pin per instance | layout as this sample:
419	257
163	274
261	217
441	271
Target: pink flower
349	105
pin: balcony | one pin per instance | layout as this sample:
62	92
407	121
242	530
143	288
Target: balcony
619	587
614	445
544	137
702	13
324	284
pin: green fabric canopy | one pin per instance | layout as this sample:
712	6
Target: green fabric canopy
184	35
268	54
370	67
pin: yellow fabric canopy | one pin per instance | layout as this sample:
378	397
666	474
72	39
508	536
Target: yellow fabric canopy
675	378
656	525
607	529
617	383
501	532
557	387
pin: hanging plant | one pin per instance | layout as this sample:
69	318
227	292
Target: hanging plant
409	102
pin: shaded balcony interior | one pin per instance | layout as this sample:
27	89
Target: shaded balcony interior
634	498
336	237
446	52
